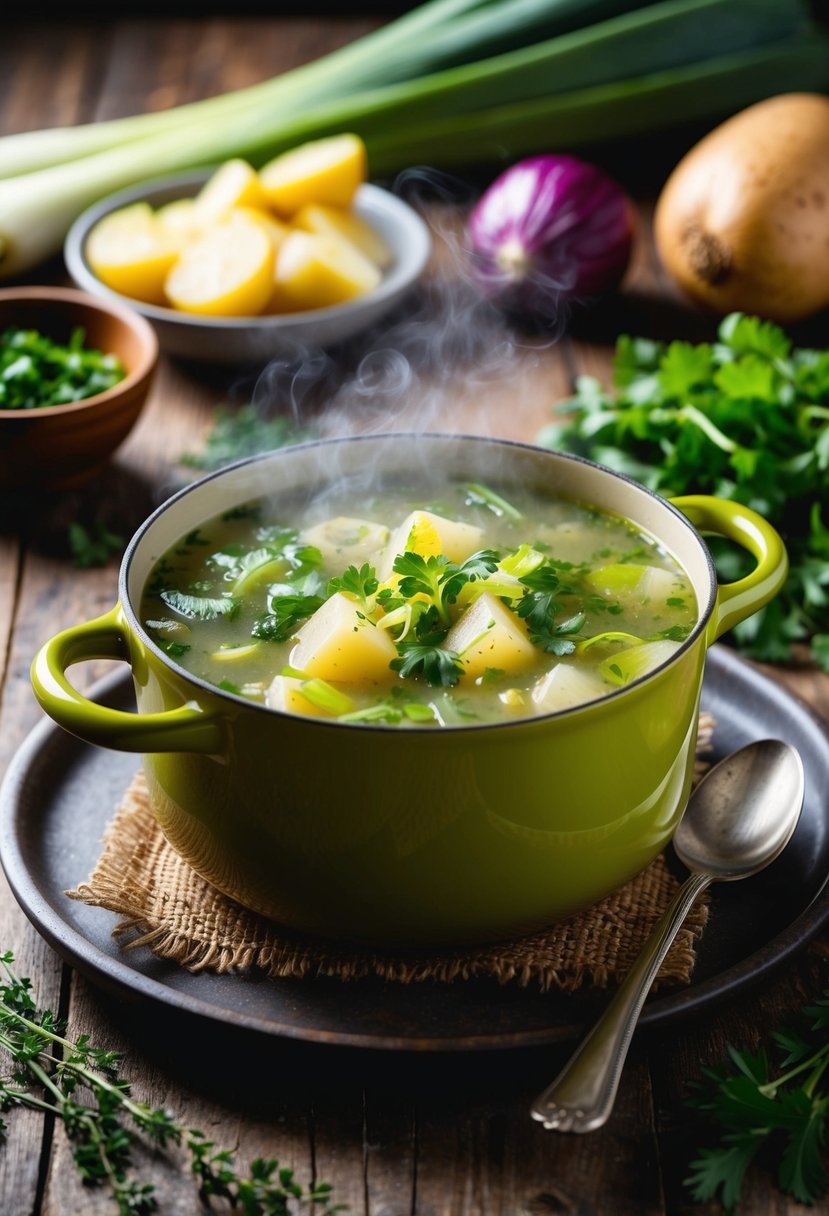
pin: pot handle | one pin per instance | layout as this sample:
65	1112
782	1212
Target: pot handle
185	729
722	517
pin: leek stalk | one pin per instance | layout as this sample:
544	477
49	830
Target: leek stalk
624	108
430	38
641	66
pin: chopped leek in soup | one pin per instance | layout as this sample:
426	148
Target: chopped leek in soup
477	608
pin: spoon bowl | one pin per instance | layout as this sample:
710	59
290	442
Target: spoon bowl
739	819
743	813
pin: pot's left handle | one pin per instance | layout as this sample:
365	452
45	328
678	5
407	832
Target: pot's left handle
185	729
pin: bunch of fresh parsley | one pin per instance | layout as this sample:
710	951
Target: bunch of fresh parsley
784	1116
745	418
79	1085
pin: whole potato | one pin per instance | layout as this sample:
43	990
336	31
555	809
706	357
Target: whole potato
743	220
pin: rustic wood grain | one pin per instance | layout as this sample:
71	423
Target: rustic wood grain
10	558
50	74
478	1151
436	1138
54	82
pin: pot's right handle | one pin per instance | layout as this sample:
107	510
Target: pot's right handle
185	729
722	517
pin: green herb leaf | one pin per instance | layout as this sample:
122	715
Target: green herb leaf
241	432
437	666
420	576
538	607
95	547
362	583
784	1114
285	616
479	566
438	578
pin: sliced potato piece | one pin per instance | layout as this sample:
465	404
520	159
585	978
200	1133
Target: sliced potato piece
428	534
347	541
275	229
228	272
564	686
322	171
337	221
234	184
338	644
285	693
489	635
276	232
179	219
320	271
131	252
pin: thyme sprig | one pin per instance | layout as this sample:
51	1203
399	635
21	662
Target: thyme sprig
80	1085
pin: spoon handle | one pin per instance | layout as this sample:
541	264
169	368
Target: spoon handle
582	1095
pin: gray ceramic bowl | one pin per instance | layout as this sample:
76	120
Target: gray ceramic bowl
258	339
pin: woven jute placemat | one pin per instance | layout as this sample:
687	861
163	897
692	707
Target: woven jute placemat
166	907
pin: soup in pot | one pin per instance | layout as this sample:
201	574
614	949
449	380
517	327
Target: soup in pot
473	608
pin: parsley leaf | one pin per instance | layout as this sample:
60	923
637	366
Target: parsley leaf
478	566
439	579
362	583
421	576
287	611
538	606
437	666
424	655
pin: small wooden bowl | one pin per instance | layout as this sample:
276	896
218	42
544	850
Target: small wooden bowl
61	446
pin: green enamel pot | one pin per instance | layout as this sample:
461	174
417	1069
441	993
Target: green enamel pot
422	836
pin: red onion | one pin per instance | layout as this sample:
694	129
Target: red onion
550	229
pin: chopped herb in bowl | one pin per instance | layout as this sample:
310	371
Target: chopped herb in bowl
36	371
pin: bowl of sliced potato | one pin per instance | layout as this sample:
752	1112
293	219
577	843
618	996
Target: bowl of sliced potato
237	265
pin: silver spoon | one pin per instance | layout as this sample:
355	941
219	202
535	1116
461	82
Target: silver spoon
740	817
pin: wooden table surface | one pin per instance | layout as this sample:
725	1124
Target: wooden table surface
449	1137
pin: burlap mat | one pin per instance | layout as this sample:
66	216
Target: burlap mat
179	916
